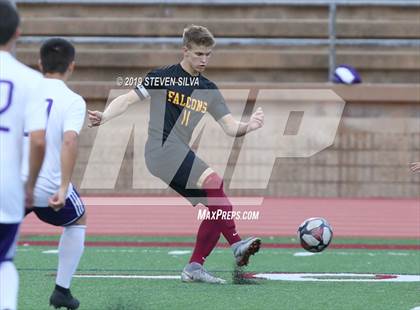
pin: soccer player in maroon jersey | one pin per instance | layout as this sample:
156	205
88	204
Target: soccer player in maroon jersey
180	96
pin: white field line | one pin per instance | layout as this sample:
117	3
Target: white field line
115	276
338	277
313	277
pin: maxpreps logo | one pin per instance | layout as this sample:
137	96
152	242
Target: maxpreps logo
205	214
298	123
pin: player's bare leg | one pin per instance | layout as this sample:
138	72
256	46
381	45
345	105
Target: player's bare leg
70	251
204	176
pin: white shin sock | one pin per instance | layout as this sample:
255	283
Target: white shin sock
70	250
9	284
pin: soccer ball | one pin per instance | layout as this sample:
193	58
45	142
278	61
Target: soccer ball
315	234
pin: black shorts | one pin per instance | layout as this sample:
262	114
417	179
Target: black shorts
72	211
179	167
8	239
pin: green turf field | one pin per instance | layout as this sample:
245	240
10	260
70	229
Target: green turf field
37	271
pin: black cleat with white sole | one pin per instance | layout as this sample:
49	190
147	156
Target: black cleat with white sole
59	299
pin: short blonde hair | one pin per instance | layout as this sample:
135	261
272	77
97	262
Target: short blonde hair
197	35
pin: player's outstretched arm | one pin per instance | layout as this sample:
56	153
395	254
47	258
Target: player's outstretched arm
68	161
415	166
117	107
235	128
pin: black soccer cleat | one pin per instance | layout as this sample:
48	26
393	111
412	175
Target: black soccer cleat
66	300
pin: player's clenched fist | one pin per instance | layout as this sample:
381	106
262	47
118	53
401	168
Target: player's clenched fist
58	200
95	118
257	119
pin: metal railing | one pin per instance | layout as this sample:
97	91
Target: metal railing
238	2
231	41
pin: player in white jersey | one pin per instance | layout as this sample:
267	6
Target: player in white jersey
56	201
20	107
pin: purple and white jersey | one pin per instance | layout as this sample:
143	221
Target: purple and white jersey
20	107
65	111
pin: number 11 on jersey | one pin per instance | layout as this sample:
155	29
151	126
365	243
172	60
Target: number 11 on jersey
185	117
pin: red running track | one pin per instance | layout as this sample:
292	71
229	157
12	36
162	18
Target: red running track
173	216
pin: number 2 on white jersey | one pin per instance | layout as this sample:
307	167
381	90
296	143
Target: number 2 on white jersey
6	93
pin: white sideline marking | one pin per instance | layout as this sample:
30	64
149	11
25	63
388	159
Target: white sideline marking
338	277
311	277
50	252
115	251
303	254
399	254
115	276
179	252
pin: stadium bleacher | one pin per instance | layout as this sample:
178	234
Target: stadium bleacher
361	189
235	60
260	44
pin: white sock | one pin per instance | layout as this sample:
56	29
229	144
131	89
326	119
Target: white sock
70	250
9	284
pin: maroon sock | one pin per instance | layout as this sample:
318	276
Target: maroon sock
207	237
217	200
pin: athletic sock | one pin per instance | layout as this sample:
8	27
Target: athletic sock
70	250
61	289
9	285
217	200
207	237
210	229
